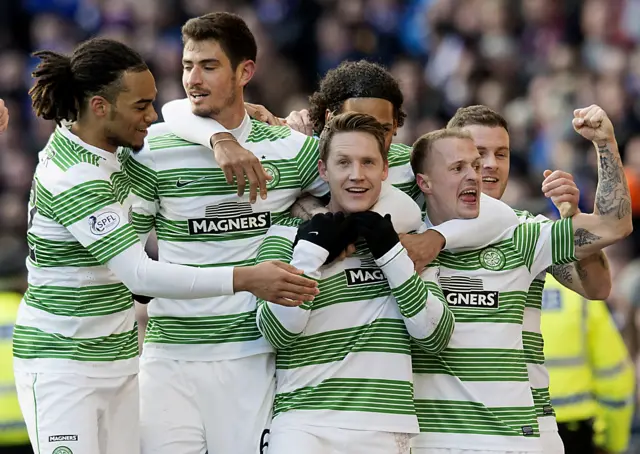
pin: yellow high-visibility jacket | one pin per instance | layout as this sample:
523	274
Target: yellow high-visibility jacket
591	374
12	428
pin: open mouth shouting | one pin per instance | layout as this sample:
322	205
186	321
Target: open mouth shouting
469	196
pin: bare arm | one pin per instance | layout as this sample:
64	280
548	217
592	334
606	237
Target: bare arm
589	277
611	220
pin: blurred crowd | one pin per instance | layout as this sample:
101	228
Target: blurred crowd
532	60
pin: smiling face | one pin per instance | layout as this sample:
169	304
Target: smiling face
209	79
132	113
451	180
354	170
493	144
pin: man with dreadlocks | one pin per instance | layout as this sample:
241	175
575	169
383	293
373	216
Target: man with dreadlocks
75	341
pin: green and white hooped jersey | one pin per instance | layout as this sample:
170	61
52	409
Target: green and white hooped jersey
344	359
534	343
76	316
476	394
200	221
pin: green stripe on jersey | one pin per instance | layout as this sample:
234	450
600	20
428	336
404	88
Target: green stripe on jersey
510	310
261	131
381	335
142	223
542	402
533	347
32	343
65	154
79	302
114	243
470	260
144	181
350	394
169	140
563	247
215	329
50	253
473	364
534	295
399	155
459	417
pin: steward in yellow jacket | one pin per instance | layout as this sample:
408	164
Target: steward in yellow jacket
592	378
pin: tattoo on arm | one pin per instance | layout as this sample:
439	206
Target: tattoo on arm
612	193
582	237
582	272
562	273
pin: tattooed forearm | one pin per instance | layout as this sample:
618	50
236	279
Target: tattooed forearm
562	273
582	237
612	193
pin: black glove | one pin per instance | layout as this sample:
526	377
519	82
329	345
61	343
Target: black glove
377	231
331	231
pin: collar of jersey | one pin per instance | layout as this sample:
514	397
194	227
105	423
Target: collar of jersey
71	137
427	222
242	132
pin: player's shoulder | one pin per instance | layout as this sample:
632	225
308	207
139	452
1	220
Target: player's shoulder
283	135
161	138
58	173
399	154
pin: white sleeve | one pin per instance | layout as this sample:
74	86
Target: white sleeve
188	126
144	276
495	218
405	212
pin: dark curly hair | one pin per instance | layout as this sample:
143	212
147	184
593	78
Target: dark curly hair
361	79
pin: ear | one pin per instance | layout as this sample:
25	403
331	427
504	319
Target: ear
322	170
424	183
99	106
327	116
385	171
245	72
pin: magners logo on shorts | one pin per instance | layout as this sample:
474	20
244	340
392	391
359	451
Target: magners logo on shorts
229	217
468	292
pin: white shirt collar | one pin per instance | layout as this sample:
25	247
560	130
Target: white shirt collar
241	133
66	132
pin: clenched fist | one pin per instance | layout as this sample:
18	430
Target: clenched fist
593	124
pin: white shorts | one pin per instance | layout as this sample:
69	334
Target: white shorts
193	407
289	439
551	442
75	414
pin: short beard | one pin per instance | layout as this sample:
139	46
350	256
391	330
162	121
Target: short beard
210	112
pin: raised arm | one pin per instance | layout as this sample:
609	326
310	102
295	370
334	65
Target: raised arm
589	277
611	220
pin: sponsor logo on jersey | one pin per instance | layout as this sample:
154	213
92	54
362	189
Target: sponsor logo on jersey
364	276
229	217
272	171
493	259
463	291
104	223
62	450
182	183
54	438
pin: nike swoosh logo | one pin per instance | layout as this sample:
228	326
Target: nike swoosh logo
182	183
313	233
